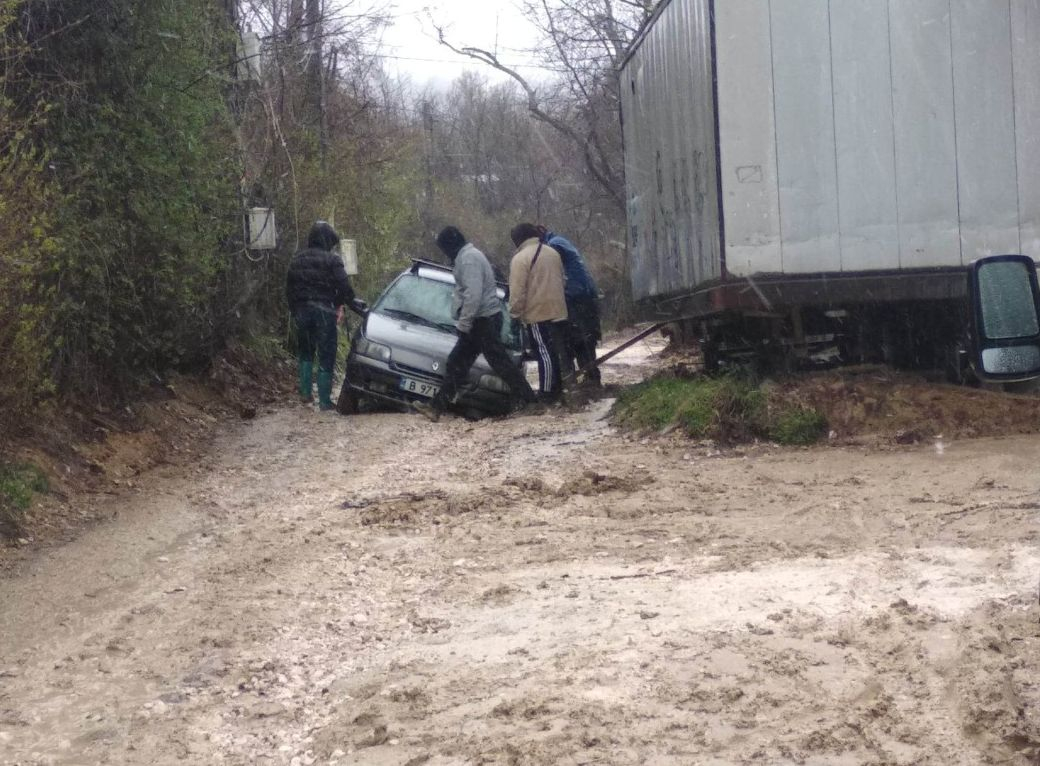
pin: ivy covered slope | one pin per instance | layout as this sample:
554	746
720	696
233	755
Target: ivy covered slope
118	191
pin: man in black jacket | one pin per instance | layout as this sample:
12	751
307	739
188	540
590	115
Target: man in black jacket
317	288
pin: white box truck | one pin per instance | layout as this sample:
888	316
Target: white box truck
810	172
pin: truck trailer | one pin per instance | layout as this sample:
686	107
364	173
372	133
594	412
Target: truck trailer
810	177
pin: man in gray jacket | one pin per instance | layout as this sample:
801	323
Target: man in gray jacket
478	319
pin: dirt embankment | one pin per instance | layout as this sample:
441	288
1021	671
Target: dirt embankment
876	405
871	404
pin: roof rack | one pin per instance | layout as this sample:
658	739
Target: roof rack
417	262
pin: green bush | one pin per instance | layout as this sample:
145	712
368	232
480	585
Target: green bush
118	192
798	425
18	483
728	409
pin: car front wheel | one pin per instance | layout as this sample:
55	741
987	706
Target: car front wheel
347	404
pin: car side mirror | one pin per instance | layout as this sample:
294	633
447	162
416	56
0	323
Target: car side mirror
1005	307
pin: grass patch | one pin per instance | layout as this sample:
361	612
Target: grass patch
798	425
729	409
268	349
18	484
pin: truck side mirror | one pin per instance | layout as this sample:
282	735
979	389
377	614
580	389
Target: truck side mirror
1005	307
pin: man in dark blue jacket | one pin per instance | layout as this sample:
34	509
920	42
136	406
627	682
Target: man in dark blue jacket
582	296
317	288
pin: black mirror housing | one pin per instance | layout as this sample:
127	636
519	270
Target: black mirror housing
1005	309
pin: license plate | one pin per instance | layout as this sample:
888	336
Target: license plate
419	387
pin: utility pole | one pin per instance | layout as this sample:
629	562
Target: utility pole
428	120
316	86
231	11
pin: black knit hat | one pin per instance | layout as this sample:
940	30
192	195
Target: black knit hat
450	241
523	232
322	236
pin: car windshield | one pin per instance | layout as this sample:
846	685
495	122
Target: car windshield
428	302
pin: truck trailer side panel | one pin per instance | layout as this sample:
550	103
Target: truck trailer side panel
866	153
852	137
748	155
804	106
670	150
1025	25
985	107
926	138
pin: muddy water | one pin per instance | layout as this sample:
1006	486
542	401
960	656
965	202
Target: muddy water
380	590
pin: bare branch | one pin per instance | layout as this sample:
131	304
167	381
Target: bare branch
596	162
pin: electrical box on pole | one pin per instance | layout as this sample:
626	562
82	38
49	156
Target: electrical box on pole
249	57
261	230
350	256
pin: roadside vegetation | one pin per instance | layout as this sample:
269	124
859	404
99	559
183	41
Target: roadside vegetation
868	404
18	484
729	409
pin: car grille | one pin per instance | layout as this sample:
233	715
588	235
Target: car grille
418	371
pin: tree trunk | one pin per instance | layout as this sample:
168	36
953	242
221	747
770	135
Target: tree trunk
316	77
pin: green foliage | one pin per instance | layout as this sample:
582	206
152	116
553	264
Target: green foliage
728	409
370	202
151	195
18	483
654	404
798	425
265	348
26	224
118	192
375	206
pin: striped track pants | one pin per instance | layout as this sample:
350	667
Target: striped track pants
546	341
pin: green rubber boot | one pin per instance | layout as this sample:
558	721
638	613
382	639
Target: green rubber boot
305	373
325	390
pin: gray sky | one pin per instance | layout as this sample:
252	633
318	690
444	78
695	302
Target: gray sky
411	47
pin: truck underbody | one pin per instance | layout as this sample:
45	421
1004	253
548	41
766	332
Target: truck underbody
776	322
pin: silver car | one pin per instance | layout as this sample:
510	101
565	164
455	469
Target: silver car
400	352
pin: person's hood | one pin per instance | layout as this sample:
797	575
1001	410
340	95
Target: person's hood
530	242
322	236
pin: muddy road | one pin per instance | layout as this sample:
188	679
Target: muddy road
382	590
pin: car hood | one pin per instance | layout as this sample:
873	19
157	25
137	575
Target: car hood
414	347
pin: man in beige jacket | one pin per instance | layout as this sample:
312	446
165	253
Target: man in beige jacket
536	298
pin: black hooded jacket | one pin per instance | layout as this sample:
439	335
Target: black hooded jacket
316	274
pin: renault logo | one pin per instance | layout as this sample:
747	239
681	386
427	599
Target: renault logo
436	366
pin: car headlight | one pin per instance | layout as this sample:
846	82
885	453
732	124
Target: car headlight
493	383
365	347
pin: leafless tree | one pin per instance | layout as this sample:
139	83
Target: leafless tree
323	129
584	41
489	163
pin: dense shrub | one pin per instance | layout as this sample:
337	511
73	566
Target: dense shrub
107	126
18	483
119	191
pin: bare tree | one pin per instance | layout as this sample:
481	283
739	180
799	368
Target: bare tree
585	41
323	131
